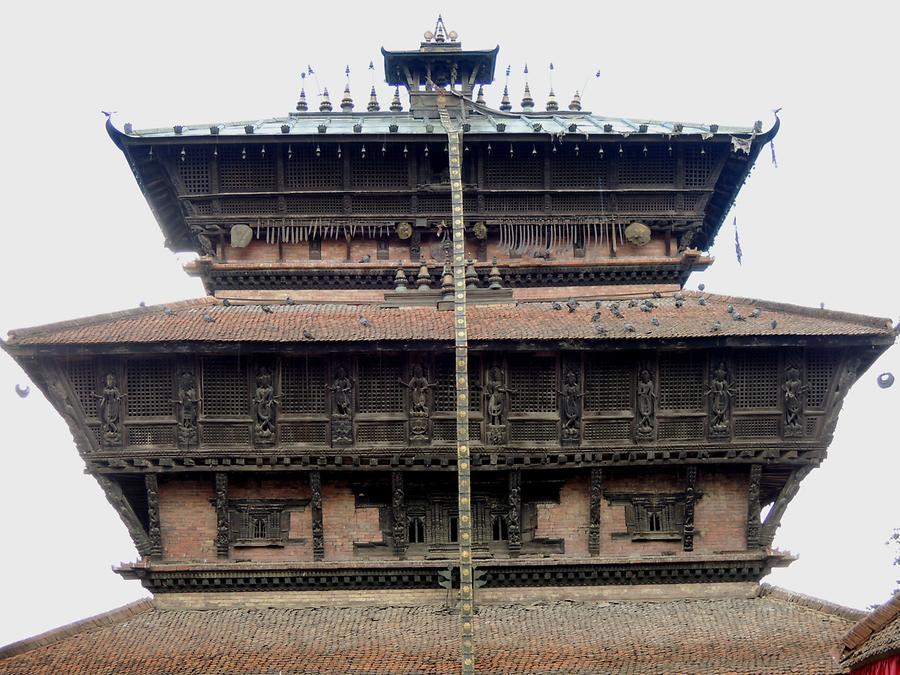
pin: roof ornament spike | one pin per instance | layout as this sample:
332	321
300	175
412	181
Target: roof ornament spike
527	100
575	104
505	105
480	99
373	101
325	105
552	103
396	105
302	105
347	99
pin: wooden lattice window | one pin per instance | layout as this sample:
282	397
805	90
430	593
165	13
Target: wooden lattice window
225	391
152	435
533	431
646	203
416	530
756	380
607	431
247	205
379	170
303	386
83	378
655	167
383	432
577	203
586	169
246	167
302	433
315	204
820	366
444	393
380	390
697	166
756	426
681	383
386	204
520	203
193	168
437	204
499	528
259	524
609	386
521	169
224	435
304	170
651	516
150	388
680	428
534	384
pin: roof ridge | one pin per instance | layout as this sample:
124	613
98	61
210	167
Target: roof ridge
110	316
872	622
59	633
810	602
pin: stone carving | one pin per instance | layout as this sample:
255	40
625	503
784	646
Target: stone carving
109	409
690	496
571	407
119	502
646	404
318	529
264	402
223	535
753	507
793	389
721	390
341	408
188	409
512	518
419	410
398	512
153	531
495	392
594	528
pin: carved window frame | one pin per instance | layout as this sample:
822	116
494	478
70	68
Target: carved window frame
247	512
641	509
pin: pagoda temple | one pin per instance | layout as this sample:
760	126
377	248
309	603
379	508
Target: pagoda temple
446	363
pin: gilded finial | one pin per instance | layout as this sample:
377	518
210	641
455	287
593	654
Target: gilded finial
505	105
552	103
347	100
527	100
325	105
480	99
373	102
575	105
302	106
396	105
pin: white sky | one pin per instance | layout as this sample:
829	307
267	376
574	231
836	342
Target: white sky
81	240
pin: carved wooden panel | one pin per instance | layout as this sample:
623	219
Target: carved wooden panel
585	169
534	384
533	431
303	433
444	430
225	392
608	385
245	168
520	203
192	165
304	169
698	166
431	203
84	380
387	169
756	426
150	387
151	434
389	205
380	390
248	205
645	203
216	434
314	204
383	432
756	379
680	428
647	165
607	430
517	169
820	367
681	385
303	389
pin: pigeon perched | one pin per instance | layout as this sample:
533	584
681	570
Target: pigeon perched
632	303
628	328
596	317
821	305
366	258
598	304
756	312
572	305
616	312
167	311
556	306
701	287
654	321
289	300
657	294
266	309
207	318
701	301
600	329
226	302
363	321
307	334
142	304
717	325
730	309
679	296
737	316
679	302
774	323
647	305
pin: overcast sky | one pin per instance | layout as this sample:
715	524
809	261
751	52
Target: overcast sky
80	238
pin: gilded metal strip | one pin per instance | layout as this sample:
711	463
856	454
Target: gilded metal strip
463	464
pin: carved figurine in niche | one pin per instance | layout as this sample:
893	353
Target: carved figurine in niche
571	406
720	391
646	403
188	409
342	407
793	389
418	386
495	392
264	402
109	411
512	518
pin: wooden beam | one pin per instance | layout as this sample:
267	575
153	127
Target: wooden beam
773	518
753	507
120	503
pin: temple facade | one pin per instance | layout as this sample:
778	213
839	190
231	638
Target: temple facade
446	349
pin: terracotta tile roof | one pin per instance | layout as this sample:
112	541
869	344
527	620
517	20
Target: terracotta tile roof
876	636
770	634
208	320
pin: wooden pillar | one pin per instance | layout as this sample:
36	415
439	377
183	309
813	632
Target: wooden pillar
318	529
689	499
594	527
753	507
515	508
398	511
223	538
153	530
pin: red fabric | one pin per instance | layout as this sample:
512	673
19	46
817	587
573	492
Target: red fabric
888	666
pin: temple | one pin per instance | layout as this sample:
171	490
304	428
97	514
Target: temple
446	360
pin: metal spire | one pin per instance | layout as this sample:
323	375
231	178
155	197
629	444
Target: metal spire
325	105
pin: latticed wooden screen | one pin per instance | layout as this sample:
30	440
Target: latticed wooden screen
225	392
382	204
608	386
534	384
756	426
150	388
214	434
313	204
383	432
380	390
756	379
303	386
377	170
697	166
533	431
578	203
299	433
246	168
607	430
83	378
152	434
655	167
248	205
522	169
520	203
587	169
444	392
646	203
303	170
680	428
681	385
820	367
193	168
437	204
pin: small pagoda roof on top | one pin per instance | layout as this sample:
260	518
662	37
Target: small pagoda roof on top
482	121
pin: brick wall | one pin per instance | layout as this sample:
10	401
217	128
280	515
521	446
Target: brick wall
187	518
343	522
569	519
276	487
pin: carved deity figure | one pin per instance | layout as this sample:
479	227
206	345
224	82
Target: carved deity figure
343	393
188	408
646	403
571	403
109	411
264	402
495	390
720	392
793	389
418	386
512	517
